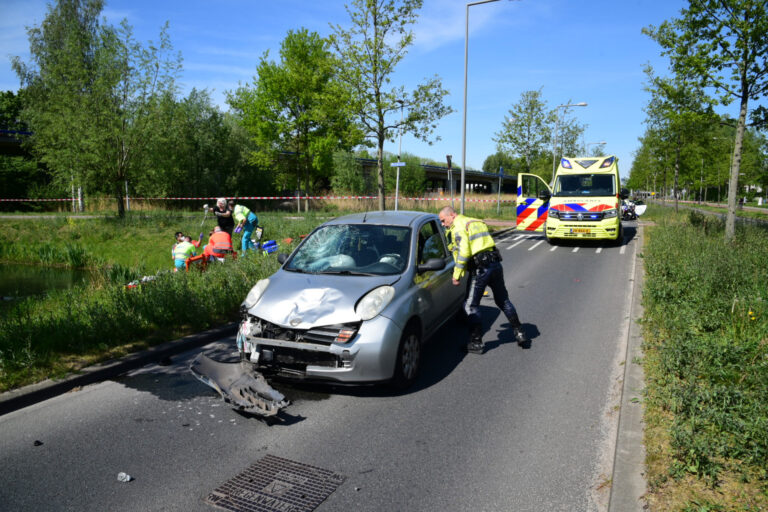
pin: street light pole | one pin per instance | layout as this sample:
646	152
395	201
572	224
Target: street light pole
554	138
399	151
594	143
464	123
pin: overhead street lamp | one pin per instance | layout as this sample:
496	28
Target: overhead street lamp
554	138
594	143
464	124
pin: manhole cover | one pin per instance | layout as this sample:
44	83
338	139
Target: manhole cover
276	484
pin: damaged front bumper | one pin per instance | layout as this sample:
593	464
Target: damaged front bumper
356	352
240	385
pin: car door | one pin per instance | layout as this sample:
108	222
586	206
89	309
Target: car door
437	294
531	211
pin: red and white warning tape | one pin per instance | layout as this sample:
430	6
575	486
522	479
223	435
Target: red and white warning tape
36	200
273	198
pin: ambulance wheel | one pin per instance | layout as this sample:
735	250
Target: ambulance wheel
551	241
620	237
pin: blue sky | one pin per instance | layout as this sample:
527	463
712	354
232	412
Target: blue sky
576	51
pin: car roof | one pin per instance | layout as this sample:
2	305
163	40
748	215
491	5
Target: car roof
386	217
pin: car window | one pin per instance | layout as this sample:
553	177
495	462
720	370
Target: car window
431	243
353	249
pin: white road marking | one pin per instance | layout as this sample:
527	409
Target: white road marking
575	249
534	245
553	248
599	250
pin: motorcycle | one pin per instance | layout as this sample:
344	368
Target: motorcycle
628	210
631	210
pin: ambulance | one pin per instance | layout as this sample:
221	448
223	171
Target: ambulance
583	201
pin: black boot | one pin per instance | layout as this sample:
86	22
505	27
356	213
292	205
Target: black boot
475	345
517	330
520	336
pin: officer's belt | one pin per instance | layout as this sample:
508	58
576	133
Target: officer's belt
487	257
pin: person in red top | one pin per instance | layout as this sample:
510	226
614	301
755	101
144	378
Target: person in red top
219	245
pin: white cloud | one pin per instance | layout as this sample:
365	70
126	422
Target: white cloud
442	23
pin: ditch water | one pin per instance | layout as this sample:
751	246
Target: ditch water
17	281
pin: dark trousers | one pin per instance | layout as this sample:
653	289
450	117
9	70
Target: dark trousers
491	276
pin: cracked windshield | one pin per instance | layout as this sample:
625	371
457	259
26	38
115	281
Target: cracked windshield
353	249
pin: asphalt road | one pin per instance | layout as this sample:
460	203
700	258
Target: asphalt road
512	429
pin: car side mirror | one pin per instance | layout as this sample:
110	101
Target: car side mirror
282	258
431	265
624	193
544	195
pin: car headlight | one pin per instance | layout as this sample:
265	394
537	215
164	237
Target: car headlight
610	213
374	302
554	213
255	294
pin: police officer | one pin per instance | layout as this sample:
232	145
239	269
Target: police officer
475	252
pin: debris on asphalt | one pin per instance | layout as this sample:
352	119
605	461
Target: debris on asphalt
124	477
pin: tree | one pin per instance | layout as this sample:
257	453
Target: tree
348	174
525	132
197	150
679	112
91	93
721	43
368	54
501	159
412	175
20	175
296	111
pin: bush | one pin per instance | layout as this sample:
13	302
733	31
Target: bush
707	331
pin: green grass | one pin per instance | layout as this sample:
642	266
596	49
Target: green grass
141	241
706	363
50	336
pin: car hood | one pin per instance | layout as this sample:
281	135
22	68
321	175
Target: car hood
301	301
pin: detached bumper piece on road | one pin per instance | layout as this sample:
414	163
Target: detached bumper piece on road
239	385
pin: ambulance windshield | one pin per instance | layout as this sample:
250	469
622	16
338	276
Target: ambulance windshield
584	185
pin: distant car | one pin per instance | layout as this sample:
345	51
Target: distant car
354	302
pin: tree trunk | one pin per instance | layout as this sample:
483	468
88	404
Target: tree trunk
733	185
119	199
677	172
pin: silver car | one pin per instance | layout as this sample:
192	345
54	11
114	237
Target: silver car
354	301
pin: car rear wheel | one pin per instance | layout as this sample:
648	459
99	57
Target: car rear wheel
408	359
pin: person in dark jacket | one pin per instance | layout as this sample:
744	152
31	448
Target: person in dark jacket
223	213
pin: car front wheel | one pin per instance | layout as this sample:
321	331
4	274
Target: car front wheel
408	359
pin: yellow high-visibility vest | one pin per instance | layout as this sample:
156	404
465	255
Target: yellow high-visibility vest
240	213
183	250
470	236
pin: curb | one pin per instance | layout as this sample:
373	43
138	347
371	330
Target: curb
628	485
22	397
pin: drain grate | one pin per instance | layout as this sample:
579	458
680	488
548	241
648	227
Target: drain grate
275	484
